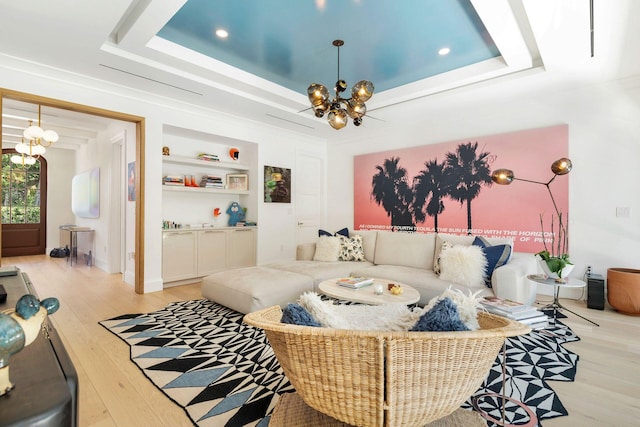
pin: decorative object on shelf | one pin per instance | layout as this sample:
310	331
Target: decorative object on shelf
234	153
236	213
19	328
340	109
277	185
556	262
237	181
37	139
216	214
165	151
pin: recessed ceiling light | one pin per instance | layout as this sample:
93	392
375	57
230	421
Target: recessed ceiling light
444	51
223	34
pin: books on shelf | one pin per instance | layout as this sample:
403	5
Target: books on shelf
208	157
355	282
173	180
211	181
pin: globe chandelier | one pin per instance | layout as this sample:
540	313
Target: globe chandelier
37	139
339	108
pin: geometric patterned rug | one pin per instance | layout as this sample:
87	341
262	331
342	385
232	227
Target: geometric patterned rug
224	373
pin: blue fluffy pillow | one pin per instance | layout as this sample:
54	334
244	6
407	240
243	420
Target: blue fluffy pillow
443	316
295	314
342	232
497	256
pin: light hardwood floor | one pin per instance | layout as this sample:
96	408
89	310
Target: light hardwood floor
113	391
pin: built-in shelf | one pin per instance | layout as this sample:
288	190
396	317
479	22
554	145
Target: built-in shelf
181	160
182	188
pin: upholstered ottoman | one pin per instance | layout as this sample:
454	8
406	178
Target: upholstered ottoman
253	288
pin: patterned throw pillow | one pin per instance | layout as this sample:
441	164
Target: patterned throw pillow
496	256
437	268
351	248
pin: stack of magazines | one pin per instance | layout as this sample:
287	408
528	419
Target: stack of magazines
514	310
355	282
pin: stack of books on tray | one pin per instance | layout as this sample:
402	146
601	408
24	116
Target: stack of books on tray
514	310
211	181
355	282
173	180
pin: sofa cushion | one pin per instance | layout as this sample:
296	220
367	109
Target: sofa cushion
254	288
405	249
496	255
369	238
467	240
464	265
351	248
327	249
319	271
342	232
436	263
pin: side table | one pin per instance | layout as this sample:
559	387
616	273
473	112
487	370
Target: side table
555	304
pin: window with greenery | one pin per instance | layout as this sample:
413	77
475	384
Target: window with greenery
20	192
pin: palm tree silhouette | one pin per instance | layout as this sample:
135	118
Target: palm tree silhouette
390	189
432	183
471	171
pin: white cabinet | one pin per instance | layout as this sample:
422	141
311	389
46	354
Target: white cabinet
212	251
190	254
242	247
178	255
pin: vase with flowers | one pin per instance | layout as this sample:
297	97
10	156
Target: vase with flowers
555	262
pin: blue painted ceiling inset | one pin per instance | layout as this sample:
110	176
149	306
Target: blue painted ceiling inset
391	43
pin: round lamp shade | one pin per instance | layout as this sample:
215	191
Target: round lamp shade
338	118
561	166
502	176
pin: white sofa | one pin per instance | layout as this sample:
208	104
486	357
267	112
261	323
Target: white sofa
401	257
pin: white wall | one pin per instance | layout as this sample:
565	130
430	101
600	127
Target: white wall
275	144
604	145
60	171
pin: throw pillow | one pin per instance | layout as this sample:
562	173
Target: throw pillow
496	256
327	249
342	232
443	316
464	265
383	317
351	248
295	314
436	263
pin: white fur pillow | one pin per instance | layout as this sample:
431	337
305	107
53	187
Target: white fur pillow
384	317
327	248
464	265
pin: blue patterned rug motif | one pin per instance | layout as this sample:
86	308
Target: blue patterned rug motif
224	373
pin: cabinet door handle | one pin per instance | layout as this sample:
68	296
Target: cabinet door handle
243	230
212	231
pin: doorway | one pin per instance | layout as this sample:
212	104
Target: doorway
139	164
24	205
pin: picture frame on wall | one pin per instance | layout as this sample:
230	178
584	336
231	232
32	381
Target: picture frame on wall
238	181
277	184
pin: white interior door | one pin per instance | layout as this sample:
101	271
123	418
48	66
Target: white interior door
309	196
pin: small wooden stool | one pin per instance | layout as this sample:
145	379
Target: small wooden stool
291	411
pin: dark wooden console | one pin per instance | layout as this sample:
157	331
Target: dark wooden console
46	383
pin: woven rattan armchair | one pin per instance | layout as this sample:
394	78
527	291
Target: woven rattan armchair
378	378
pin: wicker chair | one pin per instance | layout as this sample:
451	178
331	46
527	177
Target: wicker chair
378	378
